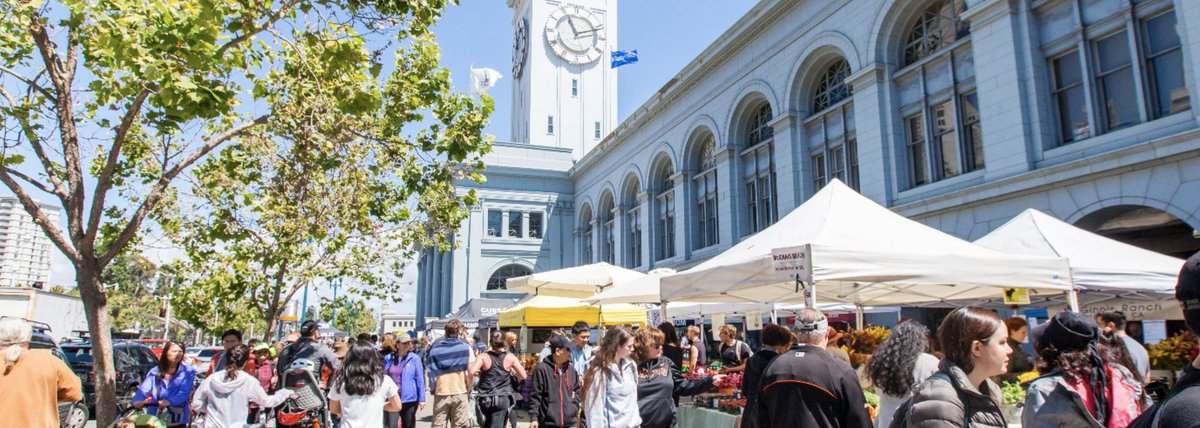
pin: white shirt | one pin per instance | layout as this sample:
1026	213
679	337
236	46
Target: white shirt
925	366
225	402
365	411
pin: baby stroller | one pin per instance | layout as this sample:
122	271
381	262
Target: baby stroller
307	408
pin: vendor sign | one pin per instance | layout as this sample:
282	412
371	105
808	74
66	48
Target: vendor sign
1016	296
1137	310
793	263
754	321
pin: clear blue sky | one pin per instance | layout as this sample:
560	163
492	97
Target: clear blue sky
667	34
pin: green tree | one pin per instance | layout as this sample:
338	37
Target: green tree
129	281
351	316
112	101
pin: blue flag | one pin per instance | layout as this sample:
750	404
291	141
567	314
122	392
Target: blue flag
620	58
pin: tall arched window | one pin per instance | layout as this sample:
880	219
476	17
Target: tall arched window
758	169
665	211
633	224
705	183
830	129
499	279
937	97
585	222
607	229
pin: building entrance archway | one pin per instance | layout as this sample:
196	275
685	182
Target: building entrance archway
1145	227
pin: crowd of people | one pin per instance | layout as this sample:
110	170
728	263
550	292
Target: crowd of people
1090	374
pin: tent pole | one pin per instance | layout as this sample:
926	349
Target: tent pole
662	311
1073	299
858	317
811	299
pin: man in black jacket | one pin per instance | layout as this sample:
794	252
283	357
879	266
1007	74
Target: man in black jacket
307	348
1181	408
807	387
554	391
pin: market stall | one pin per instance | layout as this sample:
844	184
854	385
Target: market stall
470	314
578	282
862	254
557	311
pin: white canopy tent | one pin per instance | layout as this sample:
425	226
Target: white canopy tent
866	255
1097	263
643	289
580	281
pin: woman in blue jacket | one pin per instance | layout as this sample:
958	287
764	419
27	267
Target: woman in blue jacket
167	388
405	368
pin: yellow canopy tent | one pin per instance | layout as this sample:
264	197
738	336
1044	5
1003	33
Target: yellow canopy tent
555	311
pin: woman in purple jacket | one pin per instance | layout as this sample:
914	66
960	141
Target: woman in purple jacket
167	388
404	367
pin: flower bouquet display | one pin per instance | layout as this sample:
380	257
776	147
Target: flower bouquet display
860	344
1174	353
730	383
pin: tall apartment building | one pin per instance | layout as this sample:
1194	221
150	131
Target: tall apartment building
25	250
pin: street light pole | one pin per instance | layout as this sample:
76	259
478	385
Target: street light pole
336	284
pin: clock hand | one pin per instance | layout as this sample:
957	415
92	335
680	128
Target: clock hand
571	22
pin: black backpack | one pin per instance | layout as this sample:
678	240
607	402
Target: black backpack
900	417
1150	418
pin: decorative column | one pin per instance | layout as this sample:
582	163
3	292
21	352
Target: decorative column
618	233
649	228
729	186
683	221
876	136
597	239
995	37
789	188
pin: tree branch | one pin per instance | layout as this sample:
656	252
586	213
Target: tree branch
46	93
39	217
105	181
35	141
39	185
258	29
156	193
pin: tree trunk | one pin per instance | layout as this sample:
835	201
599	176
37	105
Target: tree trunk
95	303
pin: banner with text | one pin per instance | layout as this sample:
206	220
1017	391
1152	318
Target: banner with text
1137	310
792	263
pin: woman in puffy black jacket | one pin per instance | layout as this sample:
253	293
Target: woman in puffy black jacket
659	380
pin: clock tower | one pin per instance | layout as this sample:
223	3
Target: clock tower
564	91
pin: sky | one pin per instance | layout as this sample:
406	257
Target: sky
667	34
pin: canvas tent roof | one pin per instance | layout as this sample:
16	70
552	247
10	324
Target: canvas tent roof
862	253
474	310
579	281
557	311
643	289
1097	263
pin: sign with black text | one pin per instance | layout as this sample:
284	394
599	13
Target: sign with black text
792	263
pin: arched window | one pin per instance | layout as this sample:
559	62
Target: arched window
758	169
705	183
499	279
938	103
586	252
938	27
607	229
830	129
665	210
633	223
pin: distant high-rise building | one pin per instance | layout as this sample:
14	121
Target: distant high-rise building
25	250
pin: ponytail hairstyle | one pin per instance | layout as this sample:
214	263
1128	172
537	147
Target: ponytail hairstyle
15	333
235	361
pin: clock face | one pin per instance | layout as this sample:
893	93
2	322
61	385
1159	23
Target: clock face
575	34
520	47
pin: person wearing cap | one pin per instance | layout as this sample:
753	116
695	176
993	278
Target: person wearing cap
554	388
1181	408
308	347
807	387
404	367
1078	387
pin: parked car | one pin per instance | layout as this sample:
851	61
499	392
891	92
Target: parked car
133	360
70	414
156	345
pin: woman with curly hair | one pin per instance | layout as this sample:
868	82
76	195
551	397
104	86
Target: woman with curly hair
900	364
659	380
1078	388
610	383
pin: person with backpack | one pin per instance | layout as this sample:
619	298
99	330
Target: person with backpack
776	339
1078	387
554	388
1181	407
961	394
495	370
734	353
807	387
225	397
307	347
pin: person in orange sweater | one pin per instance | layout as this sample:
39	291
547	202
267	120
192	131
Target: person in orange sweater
32	383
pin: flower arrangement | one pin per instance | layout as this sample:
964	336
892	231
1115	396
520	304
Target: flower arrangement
730	381
860	344
1012	393
1174	353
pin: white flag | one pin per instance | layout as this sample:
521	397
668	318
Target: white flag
483	79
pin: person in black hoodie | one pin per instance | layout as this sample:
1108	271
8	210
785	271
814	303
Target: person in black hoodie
1181	408
776	339
554	388
660	381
